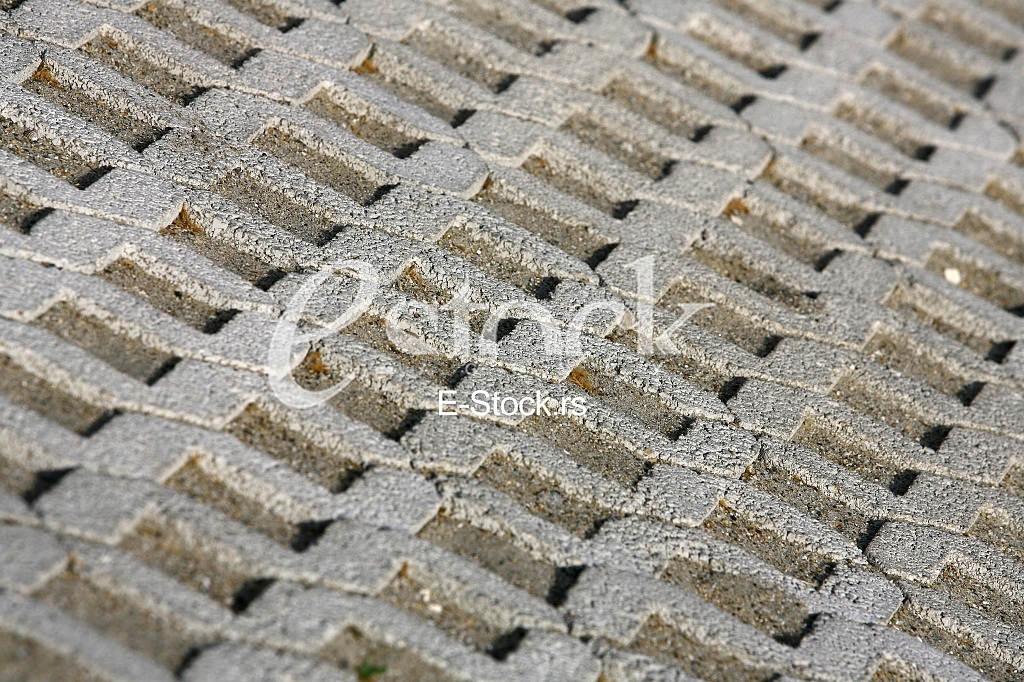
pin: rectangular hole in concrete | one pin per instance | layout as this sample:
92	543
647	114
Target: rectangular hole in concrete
799	561
563	179
166	296
922	307
793	490
1007	196
987	596
1004	242
753	601
186	231
939	60
203	564
829	441
129	127
915	622
723	40
854	216
229	49
885	127
659	55
540	495
274	205
484	255
25	656
730	324
742	271
199	482
497	553
409	593
883	406
375	130
836	154
597	451
257	428
576	240
913	95
413	93
55	157
20	386
95	336
267	12
661	640
784	25
618	145
315	162
475	67
979	279
1002	531
655	106
120	617
646	408
977	35
357	400
127	59
778	235
20	214
369	658
496	22
372	331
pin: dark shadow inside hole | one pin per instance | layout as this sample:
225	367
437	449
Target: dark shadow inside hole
308	533
624	208
968	392
924	152
600	255
683	428
982	87
162	371
865	538
566	578
219	319
897	186
793	639
100	422
248	593
863	228
700	133
768	346
580	15
272	277
933	437
772	72
411	419
506	643
902	481
461	116
998	352
742	103
808	39
546	288
731	388
43	482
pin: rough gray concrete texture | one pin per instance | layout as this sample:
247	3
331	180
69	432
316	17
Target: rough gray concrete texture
825	480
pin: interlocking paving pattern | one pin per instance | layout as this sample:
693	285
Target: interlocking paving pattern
824	482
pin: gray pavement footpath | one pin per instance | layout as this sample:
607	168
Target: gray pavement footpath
818	476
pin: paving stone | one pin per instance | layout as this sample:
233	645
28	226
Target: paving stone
802	456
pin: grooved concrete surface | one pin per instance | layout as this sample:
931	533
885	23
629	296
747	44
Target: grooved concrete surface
825	480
